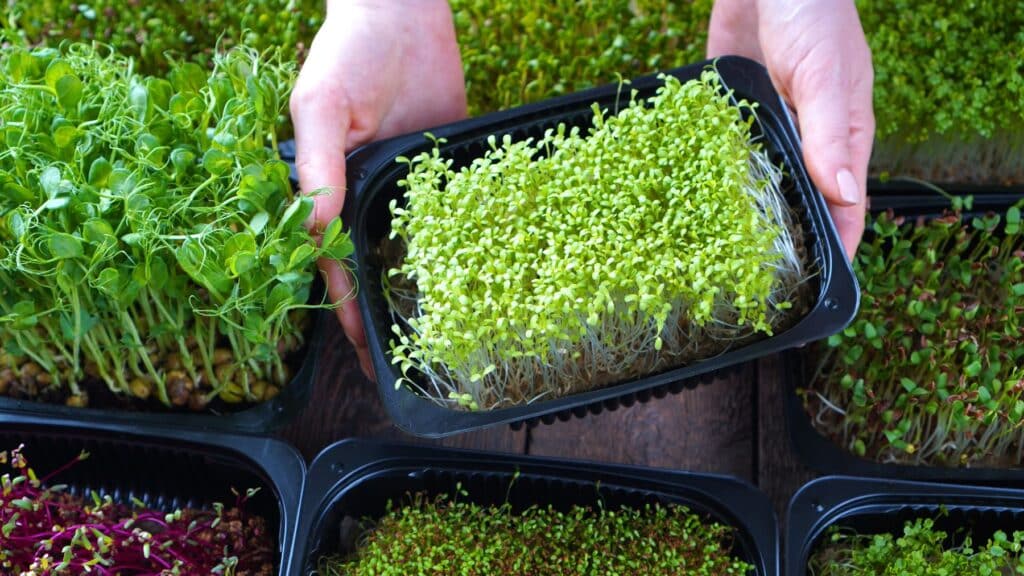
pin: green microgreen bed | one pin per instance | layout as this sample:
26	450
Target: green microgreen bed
659	237
151	245
931	370
444	536
949	88
157	33
920	549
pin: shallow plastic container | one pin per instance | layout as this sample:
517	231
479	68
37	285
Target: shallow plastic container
168	470
258	418
372	179
875	506
819	452
353	480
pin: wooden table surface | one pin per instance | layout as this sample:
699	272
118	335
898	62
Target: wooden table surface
732	426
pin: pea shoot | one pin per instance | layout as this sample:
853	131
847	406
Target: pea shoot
150	239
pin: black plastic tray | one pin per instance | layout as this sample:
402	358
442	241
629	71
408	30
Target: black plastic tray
874	506
260	418
818	452
372	181
168	470
354	479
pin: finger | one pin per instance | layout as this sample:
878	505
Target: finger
849	221
823	105
321	115
862	129
340	288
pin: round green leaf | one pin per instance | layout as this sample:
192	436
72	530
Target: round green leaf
216	162
65	246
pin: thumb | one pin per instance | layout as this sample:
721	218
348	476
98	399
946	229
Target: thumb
823	108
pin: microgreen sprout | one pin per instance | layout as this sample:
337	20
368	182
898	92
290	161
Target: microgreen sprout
157	33
949	88
932	370
47	531
150	239
920	550
520	51
554	265
435	536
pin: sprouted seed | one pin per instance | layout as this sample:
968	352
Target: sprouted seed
932	370
442	535
919	549
551	266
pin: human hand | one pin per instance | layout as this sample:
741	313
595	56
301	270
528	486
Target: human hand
819	61
375	69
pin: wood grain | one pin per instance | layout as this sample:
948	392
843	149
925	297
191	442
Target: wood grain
707	429
780	473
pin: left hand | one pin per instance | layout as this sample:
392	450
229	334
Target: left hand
820	63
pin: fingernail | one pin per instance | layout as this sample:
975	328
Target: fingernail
848	187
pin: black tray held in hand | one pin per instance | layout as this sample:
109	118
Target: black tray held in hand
373	176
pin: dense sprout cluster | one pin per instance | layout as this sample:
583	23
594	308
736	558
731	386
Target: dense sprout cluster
949	88
440	536
47	531
157	33
520	51
932	370
659	238
921	550
149	235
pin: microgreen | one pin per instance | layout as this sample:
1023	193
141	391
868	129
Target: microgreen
48	531
149	236
520	51
932	370
555	265
921	550
443	536
949	88
157	33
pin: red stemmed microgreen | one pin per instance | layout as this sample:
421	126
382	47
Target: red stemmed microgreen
45	530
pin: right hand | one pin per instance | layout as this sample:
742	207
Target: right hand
375	69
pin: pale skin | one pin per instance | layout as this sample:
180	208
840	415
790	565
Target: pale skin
381	68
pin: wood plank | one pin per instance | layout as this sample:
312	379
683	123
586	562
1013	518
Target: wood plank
780	473
345	404
708	429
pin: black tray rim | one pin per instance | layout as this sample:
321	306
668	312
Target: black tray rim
352	461
279	463
836	304
829	499
818	452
